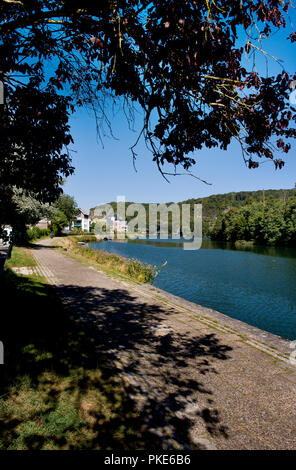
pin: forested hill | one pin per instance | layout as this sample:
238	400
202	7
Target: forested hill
216	204
266	217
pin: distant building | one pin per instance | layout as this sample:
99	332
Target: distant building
113	223
119	225
82	221
43	223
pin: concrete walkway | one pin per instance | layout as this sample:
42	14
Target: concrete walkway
197	376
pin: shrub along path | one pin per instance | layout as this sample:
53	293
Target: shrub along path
198	377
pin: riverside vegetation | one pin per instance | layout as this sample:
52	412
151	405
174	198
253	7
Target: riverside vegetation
263	223
131	269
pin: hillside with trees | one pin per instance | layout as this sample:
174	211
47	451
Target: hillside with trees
213	205
265	217
269	223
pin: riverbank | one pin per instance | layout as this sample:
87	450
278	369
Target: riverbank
243	284
198	378
130	269
272	344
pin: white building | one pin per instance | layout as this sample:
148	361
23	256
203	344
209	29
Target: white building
82	221
119	225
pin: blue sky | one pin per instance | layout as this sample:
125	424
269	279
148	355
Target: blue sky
104	172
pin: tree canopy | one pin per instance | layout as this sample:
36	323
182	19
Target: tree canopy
68	206
182	62
22	208
58	221
272	223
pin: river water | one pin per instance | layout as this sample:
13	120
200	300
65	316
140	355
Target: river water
256	285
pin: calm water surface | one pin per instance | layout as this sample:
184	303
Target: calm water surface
256	286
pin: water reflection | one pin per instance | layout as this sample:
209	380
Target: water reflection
285	252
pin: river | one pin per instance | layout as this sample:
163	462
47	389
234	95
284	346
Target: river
256	285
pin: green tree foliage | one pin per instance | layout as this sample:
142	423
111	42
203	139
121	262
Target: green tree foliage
58	222
290	222
68	206
28	208
270	223
35	233
19	208
23	208
63	212
214	205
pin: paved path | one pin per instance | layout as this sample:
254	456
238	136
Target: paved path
197	375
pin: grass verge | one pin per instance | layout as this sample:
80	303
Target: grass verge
55	392
130	269
20	257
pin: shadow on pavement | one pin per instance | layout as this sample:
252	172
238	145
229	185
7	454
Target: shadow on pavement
64	363
159	362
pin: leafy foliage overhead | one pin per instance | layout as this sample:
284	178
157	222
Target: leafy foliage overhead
181	61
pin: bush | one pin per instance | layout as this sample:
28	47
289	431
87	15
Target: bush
35	233
22	235
244	244
130	268
58	222
83	238
77	231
